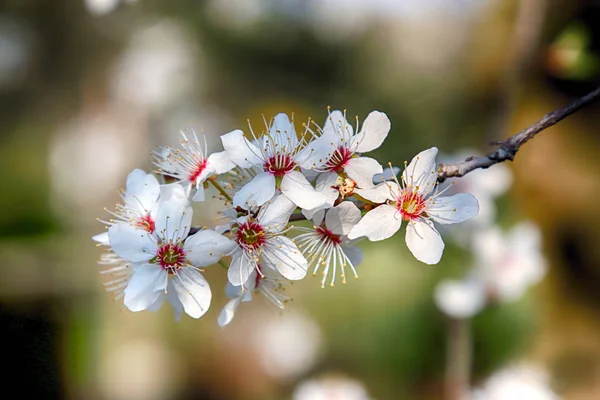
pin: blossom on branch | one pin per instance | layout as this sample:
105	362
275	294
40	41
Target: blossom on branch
415	200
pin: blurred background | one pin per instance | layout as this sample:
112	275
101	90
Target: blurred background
89	87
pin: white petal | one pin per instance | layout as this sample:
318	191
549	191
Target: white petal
174	214
381	193
199	196
342	218
145	286
101	238
173	300
220	162
337	126
130	243
424	241
422	171
282	254
354	254
378	224
362	170
256	192
317	152
296	188
240	269
283	133
207	247
236	291
275	215
460	299
193	291
374	131
240	150
453	209
228	312
142	190
157	305
325	184
388	174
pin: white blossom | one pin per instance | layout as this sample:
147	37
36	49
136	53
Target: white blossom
331	388
192	165
506	265
140	202
417	202
261	240
279	155
166	261
516	382
327	246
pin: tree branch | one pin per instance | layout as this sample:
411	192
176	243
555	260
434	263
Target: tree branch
509	147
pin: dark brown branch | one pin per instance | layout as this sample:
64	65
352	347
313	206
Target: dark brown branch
509	147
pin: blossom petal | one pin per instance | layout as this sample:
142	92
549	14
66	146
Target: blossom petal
338	127
342	218
275	215
174	301
325	184
240	268
297	188
317	152
228	312
147	283
256	192
388	174
453	209
193	291
421	173
141	190
378	224
174	214
460	299
101	238
207	247
374	131
380	193
354	254
240	150
282	254
362	170
130	243
220	162
424	241
199	195
283	133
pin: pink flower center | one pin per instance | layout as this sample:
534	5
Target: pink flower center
327	235
200	167
170	256
410	204
146	223
339	159
250	236
279	164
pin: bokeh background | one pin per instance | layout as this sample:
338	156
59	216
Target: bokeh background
89	87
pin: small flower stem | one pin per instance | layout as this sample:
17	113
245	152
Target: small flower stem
222	264
458	359
220	189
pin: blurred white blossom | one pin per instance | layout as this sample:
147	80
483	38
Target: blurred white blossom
331	388
527	382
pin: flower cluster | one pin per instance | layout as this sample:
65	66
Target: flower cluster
266	180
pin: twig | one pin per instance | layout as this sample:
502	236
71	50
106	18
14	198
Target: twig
509	147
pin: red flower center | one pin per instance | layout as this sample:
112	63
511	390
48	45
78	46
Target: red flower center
339	159
279	164
410	204
250	236
326	234
200	166
170	256
146	223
